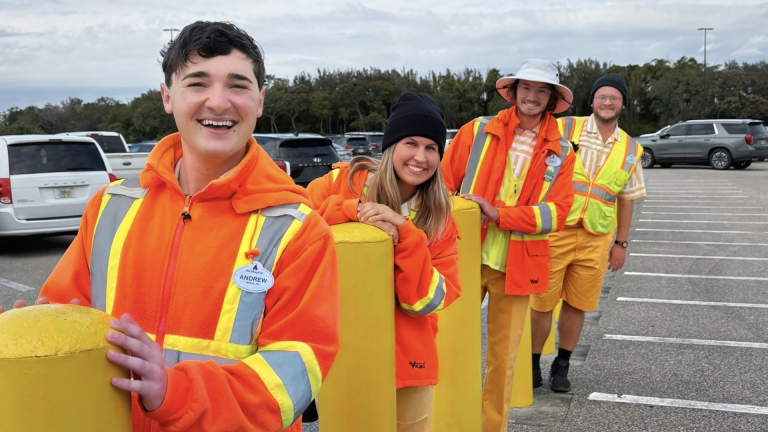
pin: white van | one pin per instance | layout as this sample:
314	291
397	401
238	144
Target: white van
46	182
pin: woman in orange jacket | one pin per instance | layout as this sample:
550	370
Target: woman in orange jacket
404	195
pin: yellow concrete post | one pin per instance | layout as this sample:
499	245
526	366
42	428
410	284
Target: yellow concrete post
549	345
359	392
522	383
458	397
54	372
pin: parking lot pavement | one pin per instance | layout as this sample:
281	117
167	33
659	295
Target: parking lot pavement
683	324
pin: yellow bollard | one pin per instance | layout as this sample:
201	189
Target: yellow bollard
359	392
55	374
522	382
549	345
458	397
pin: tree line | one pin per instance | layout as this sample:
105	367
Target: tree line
338	101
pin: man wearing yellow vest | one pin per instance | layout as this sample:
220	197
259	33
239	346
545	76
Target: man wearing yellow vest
606	180
518	168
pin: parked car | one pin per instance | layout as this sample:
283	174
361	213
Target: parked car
719	143
344	154
142	147
375	140
304	157
449	136
124	163
357	144
46	182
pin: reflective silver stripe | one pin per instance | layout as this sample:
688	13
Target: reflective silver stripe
568	128
288	209
546	218
474	156
290	368
251	304
436	299
580	187
632	151
109	222
607	196
124	190
565	147
173	357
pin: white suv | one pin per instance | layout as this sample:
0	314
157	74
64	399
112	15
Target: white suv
46	182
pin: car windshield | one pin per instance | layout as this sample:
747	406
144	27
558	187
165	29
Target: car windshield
305	148
376	139
109	143
756	129
35	158
357	142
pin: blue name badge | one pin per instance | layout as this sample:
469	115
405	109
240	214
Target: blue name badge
253	278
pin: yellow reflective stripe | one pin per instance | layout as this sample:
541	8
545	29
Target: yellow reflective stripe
521	237
289	235
437	280
232	297
480	163
208	347
544	190
116	251
537	215
307	355
553	212
335	174
274	385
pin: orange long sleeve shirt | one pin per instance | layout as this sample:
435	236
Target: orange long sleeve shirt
419	267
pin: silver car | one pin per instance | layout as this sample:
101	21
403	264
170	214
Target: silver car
46	182
719	143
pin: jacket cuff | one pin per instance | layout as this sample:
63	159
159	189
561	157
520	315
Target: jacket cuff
177	399
349	208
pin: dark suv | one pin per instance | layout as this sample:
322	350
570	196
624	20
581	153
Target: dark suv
357	144
719	143
304	157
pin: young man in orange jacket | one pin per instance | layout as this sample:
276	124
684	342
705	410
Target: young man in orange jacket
224	280
518	169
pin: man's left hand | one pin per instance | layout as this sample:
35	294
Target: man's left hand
616	258
144	358
488	210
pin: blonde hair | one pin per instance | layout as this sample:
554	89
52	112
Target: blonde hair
435	211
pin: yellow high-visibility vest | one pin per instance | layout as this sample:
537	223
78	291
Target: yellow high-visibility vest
594	203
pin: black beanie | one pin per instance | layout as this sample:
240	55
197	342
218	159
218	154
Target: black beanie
610	80
415	114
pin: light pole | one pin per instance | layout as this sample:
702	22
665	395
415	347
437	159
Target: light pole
706	86
177	30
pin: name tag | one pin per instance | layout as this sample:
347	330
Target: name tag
253	278
631	159
553	161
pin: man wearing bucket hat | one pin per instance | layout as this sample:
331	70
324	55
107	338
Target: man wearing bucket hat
518	169
606	180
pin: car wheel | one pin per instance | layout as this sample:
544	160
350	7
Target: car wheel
647	159
742	165
720	159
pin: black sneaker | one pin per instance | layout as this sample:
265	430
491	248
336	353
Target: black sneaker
537	380
558	376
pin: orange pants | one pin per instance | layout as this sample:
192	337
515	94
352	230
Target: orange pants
506	318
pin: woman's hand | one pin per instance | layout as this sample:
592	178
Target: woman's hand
372	212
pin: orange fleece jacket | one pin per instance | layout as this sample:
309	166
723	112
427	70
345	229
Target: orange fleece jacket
528	260
301	306
416	357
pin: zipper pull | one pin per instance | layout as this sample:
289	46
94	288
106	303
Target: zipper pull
185	216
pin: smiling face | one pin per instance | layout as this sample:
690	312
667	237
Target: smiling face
215	103
415	160
607	104
532	98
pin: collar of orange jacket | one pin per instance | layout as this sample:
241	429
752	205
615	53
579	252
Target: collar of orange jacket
255	183
507	120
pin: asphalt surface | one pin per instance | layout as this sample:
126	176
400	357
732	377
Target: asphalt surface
700	372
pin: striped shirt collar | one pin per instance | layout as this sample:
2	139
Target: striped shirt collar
590	127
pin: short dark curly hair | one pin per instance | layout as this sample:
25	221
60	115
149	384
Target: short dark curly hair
210	39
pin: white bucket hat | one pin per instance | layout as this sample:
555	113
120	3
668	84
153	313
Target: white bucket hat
539	71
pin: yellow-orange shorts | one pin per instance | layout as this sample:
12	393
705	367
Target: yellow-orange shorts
578	264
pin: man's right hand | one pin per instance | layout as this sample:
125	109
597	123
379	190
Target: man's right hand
42	300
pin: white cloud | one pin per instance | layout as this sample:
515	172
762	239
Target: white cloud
95	44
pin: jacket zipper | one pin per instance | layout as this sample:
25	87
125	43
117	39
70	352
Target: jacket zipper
160	338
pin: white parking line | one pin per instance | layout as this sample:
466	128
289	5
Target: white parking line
694	221
700	207
684	201
705	342
689	181
678	403
15	285
692	303
695	191
672	275
698	242
692	187
694	196
701	231
706	213
698	257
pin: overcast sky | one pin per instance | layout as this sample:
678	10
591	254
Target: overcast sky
52	49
